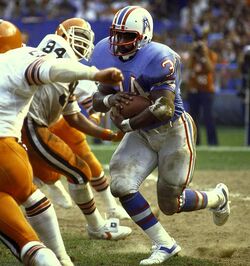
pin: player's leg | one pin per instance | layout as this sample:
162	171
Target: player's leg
60	157
15	186
41	215
99	181
173	196
129	167
58	194
194	110
207	100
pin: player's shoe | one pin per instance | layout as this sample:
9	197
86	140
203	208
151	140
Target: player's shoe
59	195
222	212
117	212
161	254
110	231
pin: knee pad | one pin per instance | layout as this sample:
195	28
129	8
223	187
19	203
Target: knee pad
168	196
121	187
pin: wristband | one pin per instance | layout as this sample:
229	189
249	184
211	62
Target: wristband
106	100
125	125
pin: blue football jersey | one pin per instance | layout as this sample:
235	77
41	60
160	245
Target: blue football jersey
154	67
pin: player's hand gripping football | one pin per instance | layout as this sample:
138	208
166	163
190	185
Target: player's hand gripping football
112	76
120	99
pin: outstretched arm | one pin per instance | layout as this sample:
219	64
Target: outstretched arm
48	70
83	124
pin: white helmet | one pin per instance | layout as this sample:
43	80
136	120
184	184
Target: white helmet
80	36
135	20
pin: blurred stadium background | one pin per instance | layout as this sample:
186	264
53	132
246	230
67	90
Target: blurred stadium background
227	24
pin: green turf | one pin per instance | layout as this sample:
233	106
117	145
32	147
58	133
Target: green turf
231	154
85	252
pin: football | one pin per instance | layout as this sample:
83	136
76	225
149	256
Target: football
136	106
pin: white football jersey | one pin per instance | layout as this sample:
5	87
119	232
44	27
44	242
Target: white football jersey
53	101
20	79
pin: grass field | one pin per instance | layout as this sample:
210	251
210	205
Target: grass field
231	157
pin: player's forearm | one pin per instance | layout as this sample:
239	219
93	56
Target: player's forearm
143	120
66	70
83	124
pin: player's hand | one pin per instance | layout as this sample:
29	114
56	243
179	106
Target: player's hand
110	135
121	98
112	76
118	136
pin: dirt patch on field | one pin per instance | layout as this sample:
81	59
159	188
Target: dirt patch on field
195	232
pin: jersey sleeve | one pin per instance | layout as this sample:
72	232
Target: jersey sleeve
37	73
166	74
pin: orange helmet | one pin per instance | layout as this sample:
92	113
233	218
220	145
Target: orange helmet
80	36
10	36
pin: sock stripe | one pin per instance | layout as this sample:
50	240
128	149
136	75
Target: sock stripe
100	184
29	255
88	207
37	209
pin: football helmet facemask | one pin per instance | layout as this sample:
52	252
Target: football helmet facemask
10	36
80	36
131	29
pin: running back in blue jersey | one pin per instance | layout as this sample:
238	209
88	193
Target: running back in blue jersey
154	67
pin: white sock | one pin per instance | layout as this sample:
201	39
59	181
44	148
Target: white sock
213	199
84	198
159	235
101	186
108	198
43	219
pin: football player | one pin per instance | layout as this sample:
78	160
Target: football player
162	136
76	139
23	71
78	142
49	155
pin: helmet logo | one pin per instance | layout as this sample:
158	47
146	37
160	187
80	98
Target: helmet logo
145	24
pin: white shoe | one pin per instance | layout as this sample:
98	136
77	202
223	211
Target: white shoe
161	254
118	212
44	257
110	231
222	212
59	195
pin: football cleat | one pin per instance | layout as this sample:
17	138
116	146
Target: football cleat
59	195
117	212
161	254
222	212
110	231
